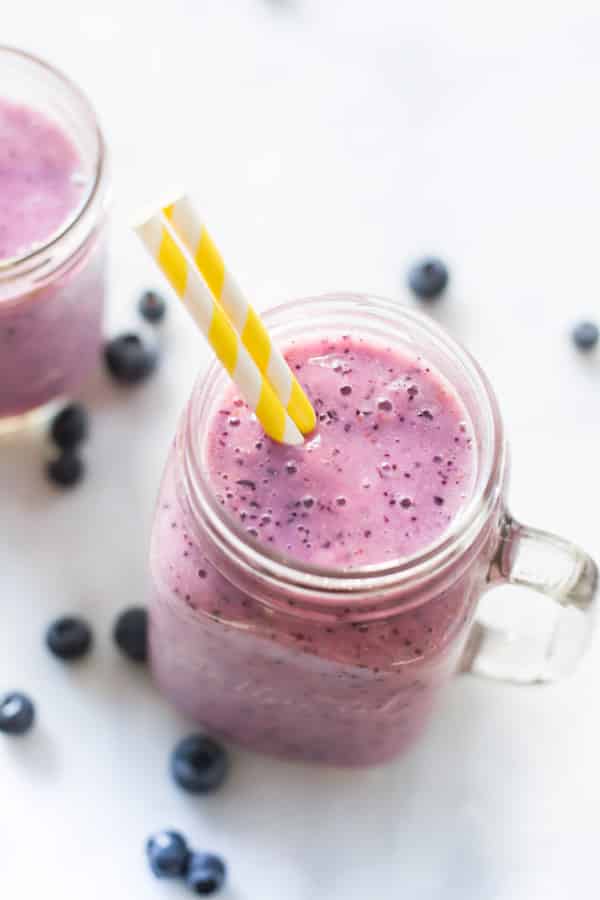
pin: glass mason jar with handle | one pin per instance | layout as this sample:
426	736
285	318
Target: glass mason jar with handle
345	666
53	214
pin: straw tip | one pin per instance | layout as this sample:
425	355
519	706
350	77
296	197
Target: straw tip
292	435
308	421
155	208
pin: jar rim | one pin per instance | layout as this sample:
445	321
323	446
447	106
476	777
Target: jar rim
28	261
374	581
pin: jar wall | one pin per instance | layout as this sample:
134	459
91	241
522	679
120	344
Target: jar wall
50	338
324	689
52	285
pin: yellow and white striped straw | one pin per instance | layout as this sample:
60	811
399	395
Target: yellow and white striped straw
269	359
159	238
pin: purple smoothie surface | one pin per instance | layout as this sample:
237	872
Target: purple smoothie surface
387	469
40	183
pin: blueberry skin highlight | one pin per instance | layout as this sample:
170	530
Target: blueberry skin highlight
168	854
17	713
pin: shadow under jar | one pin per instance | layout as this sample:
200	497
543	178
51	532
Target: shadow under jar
343	664
53	214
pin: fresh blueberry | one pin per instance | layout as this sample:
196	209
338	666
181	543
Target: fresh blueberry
168	854
70	426
206	873
131	633
152	307
17	713
69	638
66	470
585	335
199	764
428	278
131	358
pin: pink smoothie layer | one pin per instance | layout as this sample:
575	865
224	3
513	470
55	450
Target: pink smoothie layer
391	463
387	471
50	331
39	188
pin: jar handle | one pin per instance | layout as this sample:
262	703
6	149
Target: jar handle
564	574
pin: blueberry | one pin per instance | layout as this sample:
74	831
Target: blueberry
199	764
66	470
70	426
152	307
17	713
130	358
168	854
585	335
69	638
131	633
428	278
206	873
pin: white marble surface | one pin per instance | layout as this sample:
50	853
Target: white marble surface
328	143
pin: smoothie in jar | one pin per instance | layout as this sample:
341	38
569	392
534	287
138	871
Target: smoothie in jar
40	184
52	221
388	469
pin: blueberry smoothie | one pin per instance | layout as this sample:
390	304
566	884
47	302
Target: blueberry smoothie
390	465
50	310
382	477
39	184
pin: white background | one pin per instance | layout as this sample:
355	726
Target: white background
328	143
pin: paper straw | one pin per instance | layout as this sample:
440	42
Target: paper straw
255	337
160	240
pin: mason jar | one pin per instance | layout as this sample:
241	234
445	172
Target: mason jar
52	292
345	666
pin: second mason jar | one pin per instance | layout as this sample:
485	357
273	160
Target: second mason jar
53	214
